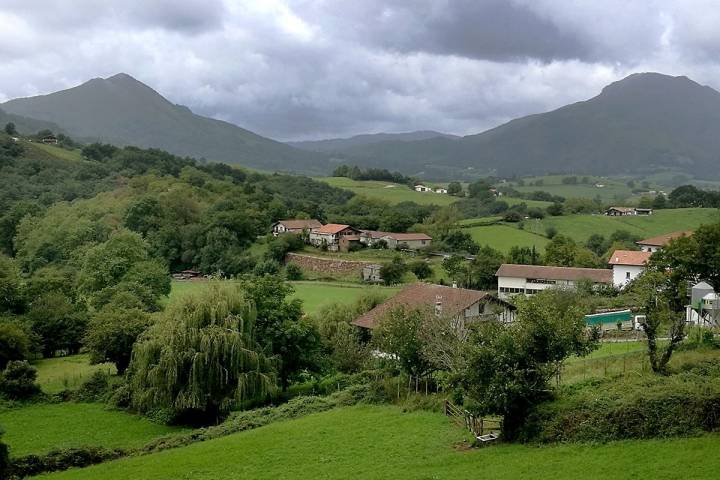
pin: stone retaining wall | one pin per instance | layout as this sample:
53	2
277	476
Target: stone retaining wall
326	265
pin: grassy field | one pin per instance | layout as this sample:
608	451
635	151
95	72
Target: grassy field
58	374
504	236
317	294
612	189
385	443
43	427
391	192
313	294
579	227
58	152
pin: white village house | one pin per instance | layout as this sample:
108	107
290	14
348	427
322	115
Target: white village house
411	241
704	306
330	235
422	188
531	279
463	305
295	226
654	244
627	265
624	211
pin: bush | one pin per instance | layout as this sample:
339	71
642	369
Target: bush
4	458
550	232
686	403
421	269
293	272
17	381
56	460
512	216
94	389
15	343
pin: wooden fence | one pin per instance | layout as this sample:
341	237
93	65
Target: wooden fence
478	426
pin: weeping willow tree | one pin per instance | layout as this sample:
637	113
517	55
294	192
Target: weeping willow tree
200	358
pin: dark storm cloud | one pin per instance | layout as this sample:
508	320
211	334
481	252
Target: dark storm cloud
484	29
295	69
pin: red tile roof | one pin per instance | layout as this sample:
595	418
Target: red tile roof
424	295
662	240
300	224
332	228
597	275
629	257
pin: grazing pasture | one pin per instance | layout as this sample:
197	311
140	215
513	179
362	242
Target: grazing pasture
373	442
40	428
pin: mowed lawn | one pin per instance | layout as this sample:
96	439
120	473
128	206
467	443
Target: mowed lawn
40	428
393	193
504	236
314	295
385	443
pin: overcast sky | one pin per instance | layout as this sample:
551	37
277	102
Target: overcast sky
306	69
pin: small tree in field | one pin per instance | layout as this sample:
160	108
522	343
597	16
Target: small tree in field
509	367
399	334
201	358
112	332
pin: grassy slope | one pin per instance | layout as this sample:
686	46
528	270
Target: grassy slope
40	428
382	443
613	189
395	194
313	294
504	236
580	227
58	374
72	155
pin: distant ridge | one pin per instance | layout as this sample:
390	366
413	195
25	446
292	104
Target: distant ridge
342	144
645	122
125	111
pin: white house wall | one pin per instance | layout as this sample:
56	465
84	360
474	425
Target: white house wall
620	274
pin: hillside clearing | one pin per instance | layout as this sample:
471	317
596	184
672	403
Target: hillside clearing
504	236
392	193
314	295
383	442
40	428
67	373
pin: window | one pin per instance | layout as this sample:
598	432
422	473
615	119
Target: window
627	275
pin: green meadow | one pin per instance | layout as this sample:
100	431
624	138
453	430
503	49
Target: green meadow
314	295
503	236
67	373
39	428
391	192
383	442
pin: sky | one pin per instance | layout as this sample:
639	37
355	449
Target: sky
311	69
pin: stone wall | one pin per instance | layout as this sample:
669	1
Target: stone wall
328	266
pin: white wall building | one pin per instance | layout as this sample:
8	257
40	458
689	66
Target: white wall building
656	243
627	265
531	279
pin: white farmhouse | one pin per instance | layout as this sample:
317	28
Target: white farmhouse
627	265
531	279
422	188
656	243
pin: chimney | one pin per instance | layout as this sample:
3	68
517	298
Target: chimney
438	305
454	285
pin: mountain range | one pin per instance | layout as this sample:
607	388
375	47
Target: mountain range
643	123
341	144
123	111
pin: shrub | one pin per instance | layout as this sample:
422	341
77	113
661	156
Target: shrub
686	403
293	272
56	460
14	343
17	381
4	458
550	232
512	216
421	269
94	389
